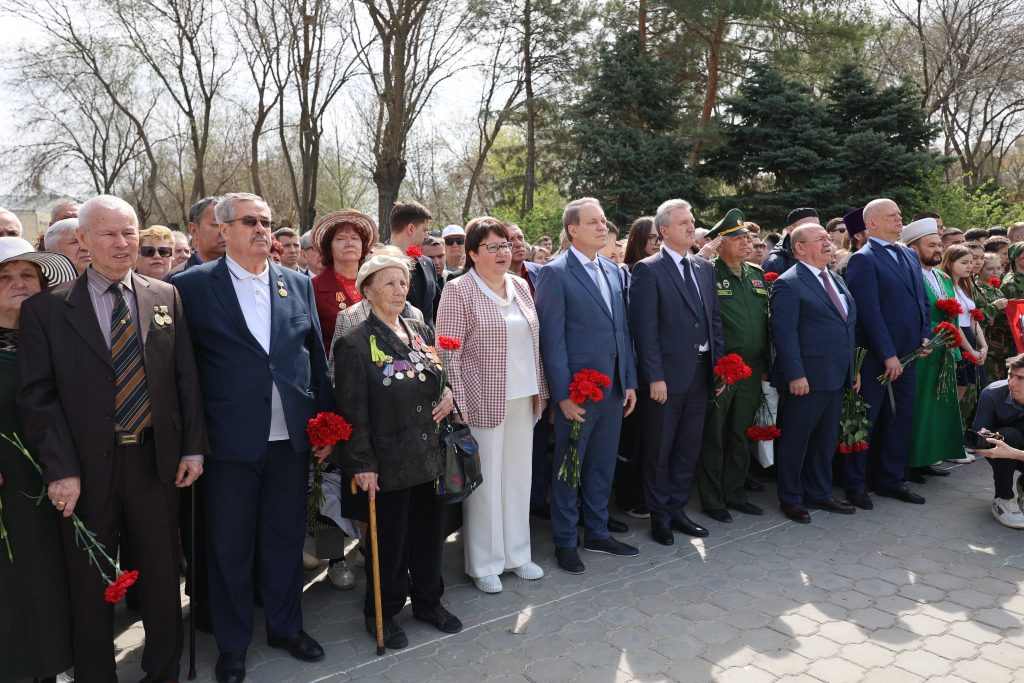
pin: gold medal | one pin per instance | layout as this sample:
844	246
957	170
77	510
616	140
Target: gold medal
283	291
423	378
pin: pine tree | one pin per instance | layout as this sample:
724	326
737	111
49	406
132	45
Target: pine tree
626	132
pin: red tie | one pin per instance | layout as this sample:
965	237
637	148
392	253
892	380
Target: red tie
832	294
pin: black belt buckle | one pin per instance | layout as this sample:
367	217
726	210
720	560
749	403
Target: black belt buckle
127	439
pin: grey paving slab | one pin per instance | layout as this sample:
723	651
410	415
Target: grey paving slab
901	593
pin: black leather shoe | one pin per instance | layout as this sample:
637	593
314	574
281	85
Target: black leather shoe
662	534
299	645
569	560
441	618
230	667
933	471
747	509
797	513
394	636
840	507
685	525
753	486
720	515
902	493
617	527
860	499
611	546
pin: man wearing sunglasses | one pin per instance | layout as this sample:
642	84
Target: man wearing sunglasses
454	248
263	373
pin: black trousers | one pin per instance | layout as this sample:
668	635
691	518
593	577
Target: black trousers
1002	468
147	512
410	525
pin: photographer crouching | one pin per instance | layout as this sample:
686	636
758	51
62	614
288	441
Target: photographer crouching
1001	410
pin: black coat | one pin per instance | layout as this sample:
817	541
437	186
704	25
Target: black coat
393	433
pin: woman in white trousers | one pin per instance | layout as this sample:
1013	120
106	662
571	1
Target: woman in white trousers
500	388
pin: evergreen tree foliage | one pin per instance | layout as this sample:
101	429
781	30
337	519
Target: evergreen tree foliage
626	132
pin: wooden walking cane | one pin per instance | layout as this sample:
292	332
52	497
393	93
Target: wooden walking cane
376	570
192	582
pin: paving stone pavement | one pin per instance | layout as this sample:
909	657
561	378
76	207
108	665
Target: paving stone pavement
899	594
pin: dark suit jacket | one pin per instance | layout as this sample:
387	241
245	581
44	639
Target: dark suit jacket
236	373
576	329
393	433
423	291
663	320
66	385
810	337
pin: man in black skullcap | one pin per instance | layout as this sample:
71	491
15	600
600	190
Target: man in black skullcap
782	259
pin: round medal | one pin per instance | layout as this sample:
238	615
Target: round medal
387	381
399	375
423	378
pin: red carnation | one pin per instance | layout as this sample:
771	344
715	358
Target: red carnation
586	385
955	338
731	368
976	314
771	277
763	433
993	282
327	429
414	252
845	449
449	343
115	592
971	358
949	306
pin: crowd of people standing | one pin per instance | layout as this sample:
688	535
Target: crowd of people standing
137	366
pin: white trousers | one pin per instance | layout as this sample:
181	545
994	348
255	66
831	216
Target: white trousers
496	517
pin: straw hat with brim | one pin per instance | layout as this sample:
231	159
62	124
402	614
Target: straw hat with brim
56	268
379	262
363	224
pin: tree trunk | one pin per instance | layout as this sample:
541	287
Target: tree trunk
530	173
388	177
642	25
711	95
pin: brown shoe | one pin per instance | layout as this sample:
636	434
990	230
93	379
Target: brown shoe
797	513
840	507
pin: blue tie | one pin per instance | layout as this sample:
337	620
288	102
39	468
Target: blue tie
691	288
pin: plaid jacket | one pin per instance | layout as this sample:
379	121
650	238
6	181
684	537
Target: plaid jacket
477	370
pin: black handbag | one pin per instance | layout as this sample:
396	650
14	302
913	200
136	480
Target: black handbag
461	474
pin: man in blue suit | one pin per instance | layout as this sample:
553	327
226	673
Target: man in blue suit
677	332
893	320
814	320
582	313
263	374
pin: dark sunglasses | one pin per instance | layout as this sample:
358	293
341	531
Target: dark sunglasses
149	252
250	222
454	240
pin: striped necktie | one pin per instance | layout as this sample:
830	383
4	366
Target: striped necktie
131	404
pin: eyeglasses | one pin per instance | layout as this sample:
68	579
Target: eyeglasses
149	252
654	239
250	222
498	246
454	240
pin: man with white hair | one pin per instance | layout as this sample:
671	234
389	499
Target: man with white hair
64	210
62	237
892	321
10	225
109	401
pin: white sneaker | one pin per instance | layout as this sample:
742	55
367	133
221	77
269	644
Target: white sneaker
341	577
309	563
1020	490
488	584
529	572
966	460
1007	512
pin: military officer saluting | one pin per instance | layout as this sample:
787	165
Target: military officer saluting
743	299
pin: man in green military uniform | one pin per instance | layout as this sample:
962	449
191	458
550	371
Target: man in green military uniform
743	299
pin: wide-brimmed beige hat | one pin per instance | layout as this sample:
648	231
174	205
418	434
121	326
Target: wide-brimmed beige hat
379	262
56	268
363	224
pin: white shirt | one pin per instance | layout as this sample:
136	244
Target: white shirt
520	368
678	260
816	272
931	280
253	292
595	270
966	303
882	243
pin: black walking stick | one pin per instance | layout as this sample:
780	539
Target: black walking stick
192	582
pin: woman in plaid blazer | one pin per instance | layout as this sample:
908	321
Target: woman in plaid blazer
499	385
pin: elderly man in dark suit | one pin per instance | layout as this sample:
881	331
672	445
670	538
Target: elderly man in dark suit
893	320
117	454
814	319
582	311
677	332
264	375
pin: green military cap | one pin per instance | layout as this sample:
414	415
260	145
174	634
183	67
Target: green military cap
730	226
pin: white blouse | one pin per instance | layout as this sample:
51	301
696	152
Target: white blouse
967	304
520	366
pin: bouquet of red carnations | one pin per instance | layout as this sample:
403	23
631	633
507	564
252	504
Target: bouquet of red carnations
326	429
586	386
764	428
854	426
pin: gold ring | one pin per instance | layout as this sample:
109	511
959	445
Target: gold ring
60	504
